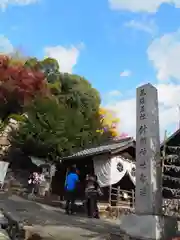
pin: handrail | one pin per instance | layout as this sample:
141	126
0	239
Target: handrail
119	197
125	191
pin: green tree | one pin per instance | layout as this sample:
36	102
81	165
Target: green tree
66	121
48	66
52	129
72	90
78	93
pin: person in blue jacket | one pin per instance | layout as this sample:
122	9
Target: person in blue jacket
71	183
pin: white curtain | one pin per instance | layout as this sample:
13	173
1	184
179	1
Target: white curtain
102	169
37	161
132	172
111	171
3	171
117	175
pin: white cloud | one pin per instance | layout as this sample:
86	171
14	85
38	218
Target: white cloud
169	94
5	45
5	3
164	53
125	73
150	6
114	93
169	98
144	25
67	57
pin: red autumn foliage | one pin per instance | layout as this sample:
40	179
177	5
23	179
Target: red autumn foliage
19	83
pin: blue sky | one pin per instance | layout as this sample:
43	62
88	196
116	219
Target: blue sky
116	44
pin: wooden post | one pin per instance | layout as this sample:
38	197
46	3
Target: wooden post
133	198
118	199
164	151
118	194
110	189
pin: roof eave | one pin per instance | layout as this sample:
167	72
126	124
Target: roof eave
169	138
131	144
84	156
120	149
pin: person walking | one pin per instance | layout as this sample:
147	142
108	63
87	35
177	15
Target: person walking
92	191
34	182
71	183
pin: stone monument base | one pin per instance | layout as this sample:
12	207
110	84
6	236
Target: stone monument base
150	227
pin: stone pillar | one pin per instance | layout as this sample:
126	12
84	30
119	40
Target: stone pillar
148	165
148	221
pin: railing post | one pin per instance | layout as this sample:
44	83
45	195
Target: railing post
133	198
118	200
110	190
118	194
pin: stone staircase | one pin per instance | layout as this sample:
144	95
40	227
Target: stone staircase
16	182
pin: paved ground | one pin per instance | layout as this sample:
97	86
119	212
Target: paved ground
52	224
51	221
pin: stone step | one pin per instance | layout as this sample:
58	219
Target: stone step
16	184
4	235
62	233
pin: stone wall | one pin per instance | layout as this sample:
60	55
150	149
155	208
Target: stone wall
4	141
16	181
171	207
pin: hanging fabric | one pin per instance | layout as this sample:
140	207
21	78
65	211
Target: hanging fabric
102	169
111	171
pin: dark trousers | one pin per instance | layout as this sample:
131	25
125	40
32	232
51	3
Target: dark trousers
70	201
92	208
33	188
